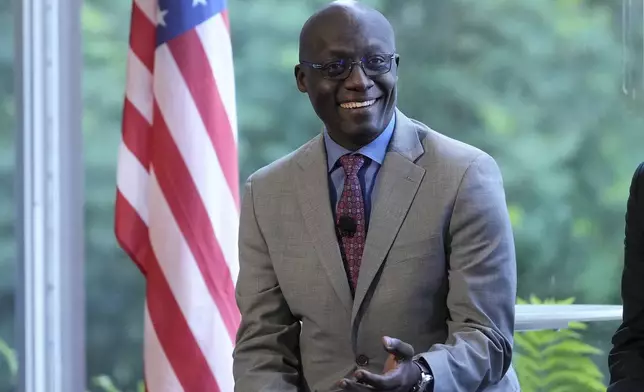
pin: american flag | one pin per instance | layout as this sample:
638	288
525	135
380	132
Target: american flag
177	203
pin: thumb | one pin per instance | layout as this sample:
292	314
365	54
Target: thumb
399	349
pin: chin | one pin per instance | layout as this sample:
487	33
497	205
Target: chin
366	129
365	133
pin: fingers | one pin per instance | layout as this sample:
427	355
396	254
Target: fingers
401	350
397	375
349	385
380	382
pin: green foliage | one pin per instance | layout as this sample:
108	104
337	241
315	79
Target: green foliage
556	361
7	194
105	384
9	359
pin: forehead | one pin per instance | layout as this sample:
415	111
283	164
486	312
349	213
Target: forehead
350	35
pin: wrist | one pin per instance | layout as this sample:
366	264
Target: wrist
425	379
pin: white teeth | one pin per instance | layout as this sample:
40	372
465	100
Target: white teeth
355	105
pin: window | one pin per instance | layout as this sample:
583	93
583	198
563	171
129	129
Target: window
538	85
8	249
541	86
114	287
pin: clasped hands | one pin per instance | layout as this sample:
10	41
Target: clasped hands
400	373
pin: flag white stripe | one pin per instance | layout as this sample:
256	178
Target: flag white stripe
216	42
160	376
189	288
132	181
149	8
138	88
180	114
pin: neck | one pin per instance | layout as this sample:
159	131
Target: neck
352	143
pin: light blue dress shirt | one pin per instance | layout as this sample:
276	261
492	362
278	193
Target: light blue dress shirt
374	153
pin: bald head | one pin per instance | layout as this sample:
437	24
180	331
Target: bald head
349	16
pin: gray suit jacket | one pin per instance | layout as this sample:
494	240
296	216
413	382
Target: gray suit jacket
438	270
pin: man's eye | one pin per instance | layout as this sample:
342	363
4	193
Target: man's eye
334	66
376	60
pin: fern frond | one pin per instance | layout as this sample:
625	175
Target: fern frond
578	363
568	347
527	345
9	356
572	377
556	361
529	373
563	388
577	325
105	383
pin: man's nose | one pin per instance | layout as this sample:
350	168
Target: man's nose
357	79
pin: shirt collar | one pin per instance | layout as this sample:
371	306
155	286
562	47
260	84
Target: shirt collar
376	150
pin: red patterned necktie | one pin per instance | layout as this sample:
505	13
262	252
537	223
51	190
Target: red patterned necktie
351	205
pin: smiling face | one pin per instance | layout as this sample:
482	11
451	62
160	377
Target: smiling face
355	109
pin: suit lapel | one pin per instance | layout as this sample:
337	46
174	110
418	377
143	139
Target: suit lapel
397	184
313	195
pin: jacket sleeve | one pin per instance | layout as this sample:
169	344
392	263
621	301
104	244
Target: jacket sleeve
482	286
626	358
266	356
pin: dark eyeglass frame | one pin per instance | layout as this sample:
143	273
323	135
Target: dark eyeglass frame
322	66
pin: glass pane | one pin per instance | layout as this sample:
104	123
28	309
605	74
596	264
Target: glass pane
114	286
8	249
538	85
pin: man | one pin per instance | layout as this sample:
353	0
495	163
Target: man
626	359
378	256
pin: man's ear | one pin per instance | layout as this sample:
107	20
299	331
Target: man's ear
299	78
397	63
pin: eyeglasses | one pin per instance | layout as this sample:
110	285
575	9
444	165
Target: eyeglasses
373	65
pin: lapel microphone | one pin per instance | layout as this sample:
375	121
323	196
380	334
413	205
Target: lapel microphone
347	226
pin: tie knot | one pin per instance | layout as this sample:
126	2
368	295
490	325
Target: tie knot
351	164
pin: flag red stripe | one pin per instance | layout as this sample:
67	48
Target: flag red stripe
224	16
195	68
136	133
191	215
142	37
172	329
131	231
176	338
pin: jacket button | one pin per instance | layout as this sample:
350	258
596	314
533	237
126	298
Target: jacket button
362	360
